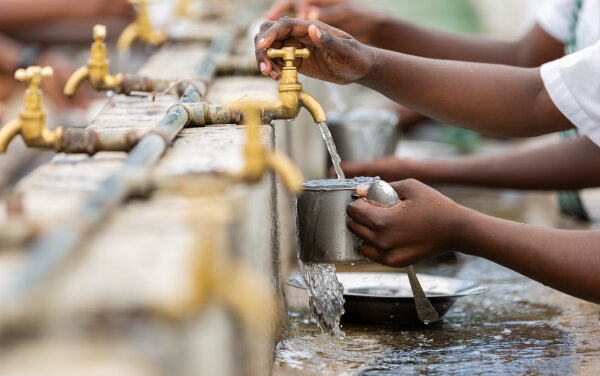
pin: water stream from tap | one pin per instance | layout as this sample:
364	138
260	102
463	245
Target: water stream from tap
335	158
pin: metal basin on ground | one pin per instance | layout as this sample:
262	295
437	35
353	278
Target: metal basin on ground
387	299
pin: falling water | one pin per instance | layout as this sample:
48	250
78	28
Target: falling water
325	296
325	292
335	158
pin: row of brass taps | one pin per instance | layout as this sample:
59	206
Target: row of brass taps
31	123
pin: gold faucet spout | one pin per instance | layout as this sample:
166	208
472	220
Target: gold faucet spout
32	119
291	96
128	35
258	158
8	132
287	170
140	29
76	80
314	107
96	69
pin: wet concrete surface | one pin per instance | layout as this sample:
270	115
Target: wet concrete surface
518	327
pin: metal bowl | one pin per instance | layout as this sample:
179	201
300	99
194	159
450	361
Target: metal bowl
387	299
363	134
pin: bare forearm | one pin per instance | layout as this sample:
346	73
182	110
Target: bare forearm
565	260
533	49
493	99
11	51
571	164
18	14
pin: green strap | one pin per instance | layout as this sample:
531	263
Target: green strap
569	202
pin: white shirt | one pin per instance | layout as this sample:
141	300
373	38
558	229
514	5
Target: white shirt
556	18
573	83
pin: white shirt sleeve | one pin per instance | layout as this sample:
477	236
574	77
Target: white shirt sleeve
573	83
555	17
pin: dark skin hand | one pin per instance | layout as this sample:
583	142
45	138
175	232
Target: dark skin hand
571	164
356	20
494	99
381	30
426	223
334	55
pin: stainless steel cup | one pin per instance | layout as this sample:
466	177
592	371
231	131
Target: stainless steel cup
362	135
322	231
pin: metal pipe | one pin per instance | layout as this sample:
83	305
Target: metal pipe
55	246
136	82
90	141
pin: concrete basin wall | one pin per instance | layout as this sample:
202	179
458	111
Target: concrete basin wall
186	280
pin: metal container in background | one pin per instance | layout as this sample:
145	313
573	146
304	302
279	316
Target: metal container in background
322	231
363	134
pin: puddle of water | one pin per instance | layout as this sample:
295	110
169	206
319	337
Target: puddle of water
502	332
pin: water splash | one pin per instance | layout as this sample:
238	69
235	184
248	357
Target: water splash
335	158
326	297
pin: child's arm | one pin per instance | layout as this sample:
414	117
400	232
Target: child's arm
495	99
572	164
20	14
382	30
426	223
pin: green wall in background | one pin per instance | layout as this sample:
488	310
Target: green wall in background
457	15
453	15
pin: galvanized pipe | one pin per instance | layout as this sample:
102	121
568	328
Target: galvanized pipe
91	141
54	247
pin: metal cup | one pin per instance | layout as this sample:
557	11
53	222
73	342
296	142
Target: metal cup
322	231
362	135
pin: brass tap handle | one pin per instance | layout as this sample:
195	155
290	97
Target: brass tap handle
98	50
99	33
288	54
33	75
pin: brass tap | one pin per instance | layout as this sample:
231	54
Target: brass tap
141	29
97	68
31	123
183	8
291	96
258	158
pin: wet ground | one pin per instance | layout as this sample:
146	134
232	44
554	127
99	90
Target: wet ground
518	327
